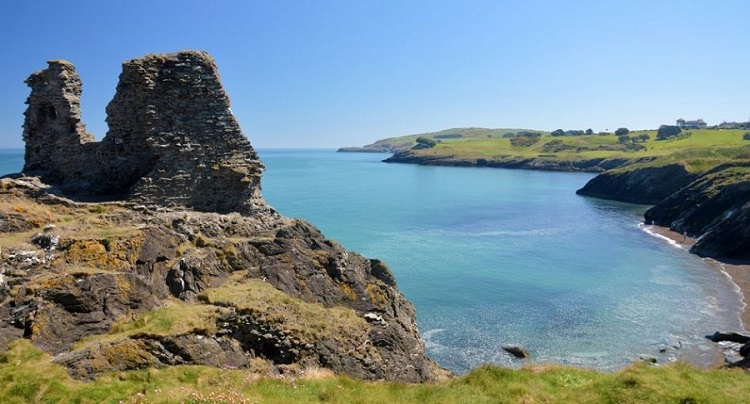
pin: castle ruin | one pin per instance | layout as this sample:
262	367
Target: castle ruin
172	139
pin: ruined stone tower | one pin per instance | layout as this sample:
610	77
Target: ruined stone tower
172	139
53	130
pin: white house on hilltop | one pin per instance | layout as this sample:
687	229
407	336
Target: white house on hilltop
696	124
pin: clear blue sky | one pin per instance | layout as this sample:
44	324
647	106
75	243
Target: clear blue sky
320	73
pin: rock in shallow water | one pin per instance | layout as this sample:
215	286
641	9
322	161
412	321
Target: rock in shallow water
731	336
516	351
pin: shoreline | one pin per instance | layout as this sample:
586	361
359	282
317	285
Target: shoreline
739	275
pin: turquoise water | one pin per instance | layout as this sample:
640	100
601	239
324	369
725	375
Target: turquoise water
492	256
11	161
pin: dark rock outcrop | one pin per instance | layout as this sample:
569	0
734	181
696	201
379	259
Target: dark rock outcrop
647	185
153	351
91	285
517	351
733	343
154	246
715	208
712	206
730	336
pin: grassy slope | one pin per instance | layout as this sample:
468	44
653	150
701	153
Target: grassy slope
700	150
466	133
28	375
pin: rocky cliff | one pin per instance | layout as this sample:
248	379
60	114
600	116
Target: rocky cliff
647	185
179	260
713	206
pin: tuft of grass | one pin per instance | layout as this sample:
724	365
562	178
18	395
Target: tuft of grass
201	241
97	209
175	318
312	320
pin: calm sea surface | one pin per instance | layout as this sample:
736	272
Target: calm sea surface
11	161
492	257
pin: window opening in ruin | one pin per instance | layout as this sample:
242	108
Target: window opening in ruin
46	113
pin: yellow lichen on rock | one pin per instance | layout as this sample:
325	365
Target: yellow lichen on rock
128	354
376	294
110	254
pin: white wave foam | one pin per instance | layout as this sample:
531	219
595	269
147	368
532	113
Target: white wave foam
590	355
429	333
431	345
649	230
737	289
531	232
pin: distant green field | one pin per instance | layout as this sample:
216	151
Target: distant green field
701	149
465	133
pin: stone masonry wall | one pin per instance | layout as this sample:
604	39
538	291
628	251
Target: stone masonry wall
53	130
172	139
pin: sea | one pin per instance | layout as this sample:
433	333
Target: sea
491	257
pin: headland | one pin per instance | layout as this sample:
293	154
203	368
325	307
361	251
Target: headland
154	247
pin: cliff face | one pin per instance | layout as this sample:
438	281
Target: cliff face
185	264
644	185
715	207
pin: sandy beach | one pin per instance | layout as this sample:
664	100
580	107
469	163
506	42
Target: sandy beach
740	274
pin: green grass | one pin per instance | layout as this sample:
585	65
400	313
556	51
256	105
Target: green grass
466	133
28	375
703	149
175	318
310	321
294	316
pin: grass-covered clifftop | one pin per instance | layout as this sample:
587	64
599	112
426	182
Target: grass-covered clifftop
700	149
401	143
28	374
